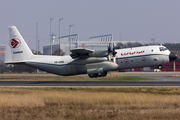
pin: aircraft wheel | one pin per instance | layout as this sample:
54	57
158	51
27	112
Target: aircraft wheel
96	75
104	74
160	67
91	75
100	74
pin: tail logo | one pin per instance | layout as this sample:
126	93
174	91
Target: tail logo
14	43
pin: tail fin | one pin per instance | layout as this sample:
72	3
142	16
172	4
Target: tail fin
17	50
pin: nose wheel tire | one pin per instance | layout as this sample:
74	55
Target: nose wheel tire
160	67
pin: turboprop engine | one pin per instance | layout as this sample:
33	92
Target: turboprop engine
99	53
104	53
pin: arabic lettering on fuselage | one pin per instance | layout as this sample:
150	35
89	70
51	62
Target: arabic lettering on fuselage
132	53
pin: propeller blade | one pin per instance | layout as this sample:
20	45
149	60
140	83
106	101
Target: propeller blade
111	49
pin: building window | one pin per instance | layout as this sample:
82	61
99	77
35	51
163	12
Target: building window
165	66
176	66
168	66
171	66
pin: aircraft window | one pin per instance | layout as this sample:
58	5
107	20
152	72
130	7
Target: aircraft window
162	48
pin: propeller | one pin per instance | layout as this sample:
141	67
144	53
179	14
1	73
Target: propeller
111	50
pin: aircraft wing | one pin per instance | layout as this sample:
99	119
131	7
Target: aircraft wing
80	52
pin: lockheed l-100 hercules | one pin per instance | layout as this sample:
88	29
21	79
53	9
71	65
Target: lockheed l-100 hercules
95	63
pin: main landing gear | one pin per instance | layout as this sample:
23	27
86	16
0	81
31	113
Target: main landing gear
97	75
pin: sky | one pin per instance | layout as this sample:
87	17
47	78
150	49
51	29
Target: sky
136	20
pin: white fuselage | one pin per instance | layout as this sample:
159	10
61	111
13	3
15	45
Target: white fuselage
125	58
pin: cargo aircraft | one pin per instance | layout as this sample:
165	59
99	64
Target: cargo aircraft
95	63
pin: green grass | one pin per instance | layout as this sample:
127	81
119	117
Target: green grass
124	78
151	90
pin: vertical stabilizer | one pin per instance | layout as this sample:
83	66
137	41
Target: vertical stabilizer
16	48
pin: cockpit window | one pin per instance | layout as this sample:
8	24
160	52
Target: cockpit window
162	48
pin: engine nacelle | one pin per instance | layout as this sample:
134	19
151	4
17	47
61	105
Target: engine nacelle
99	53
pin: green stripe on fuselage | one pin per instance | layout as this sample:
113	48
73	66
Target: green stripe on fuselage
140	56
49	63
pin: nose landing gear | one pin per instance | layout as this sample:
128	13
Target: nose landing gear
157	67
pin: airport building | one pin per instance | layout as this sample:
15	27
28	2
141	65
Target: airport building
100	42
2	53
64	44
172	66
2	57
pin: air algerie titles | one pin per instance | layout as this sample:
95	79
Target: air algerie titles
132	53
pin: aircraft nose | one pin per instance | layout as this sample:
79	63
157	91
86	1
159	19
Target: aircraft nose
172	56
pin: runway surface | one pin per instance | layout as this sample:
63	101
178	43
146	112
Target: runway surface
164	79
88	83
164	76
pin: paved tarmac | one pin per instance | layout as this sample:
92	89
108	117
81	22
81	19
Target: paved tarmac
88	83
164	76
164	79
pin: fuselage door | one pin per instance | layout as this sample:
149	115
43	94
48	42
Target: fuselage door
73	69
